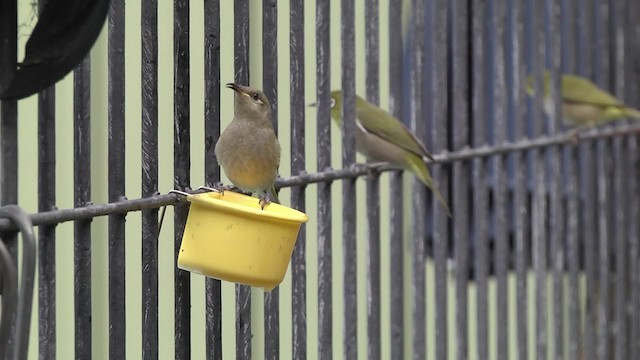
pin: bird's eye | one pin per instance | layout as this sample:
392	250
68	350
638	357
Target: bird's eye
256	99
333	102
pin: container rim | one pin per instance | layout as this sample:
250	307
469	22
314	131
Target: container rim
272	211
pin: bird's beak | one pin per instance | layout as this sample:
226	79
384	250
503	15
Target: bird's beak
312	105
235	87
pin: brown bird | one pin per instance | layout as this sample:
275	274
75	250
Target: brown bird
248	148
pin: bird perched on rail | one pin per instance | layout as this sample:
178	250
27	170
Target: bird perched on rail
583	103
248	148
381	137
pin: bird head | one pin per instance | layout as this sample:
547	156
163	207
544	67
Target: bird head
336	105
250	103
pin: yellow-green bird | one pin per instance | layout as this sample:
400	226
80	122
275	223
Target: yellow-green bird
382	137
584	104
248	148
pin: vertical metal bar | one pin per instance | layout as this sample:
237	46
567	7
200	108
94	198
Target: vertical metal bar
568	48
46	234
323	78
82	197
396	243
499	121
270	89
517	109
117	318
181	170
632	162
480	196
418	29
539	202
372	65
438	55
587	190
9	123
149	175
298	260
603	167
241	64
621	206
213	287
9	143
556	215
461	172
349	185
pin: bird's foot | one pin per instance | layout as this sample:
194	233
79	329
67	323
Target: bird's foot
373	169
218	187
574	137
264	201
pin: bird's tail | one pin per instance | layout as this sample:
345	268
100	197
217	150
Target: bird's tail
419	168
631	113
273	194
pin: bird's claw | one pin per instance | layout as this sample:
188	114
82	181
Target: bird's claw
264	201
217	187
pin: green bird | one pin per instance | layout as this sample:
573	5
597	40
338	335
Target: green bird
248	148
382	137
584	104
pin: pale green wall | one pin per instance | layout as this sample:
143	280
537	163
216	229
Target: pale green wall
64	187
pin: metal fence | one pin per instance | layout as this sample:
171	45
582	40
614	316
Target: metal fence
544	234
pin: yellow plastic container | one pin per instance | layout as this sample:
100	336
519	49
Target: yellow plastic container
228	237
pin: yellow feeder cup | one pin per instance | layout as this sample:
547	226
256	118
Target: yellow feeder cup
229	237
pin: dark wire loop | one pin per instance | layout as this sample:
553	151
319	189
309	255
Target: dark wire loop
23	303
8	290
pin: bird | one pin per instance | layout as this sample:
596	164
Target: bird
382	137
583	103
248	149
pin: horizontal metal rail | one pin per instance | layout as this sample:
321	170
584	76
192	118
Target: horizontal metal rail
358	170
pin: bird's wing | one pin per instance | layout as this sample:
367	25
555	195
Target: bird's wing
581	90
380	123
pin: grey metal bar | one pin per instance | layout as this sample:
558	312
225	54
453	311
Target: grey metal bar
213	288
569	50
517	106
396	243
480	195
347	25
633	160
601	65
270	89
460	84
116	161
372	64
298	199
437	52
9	130
587	191
418	111
556	217
181	171
46	234
241	65
501	240
539	198
323	79
82	197
149	174
621	206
